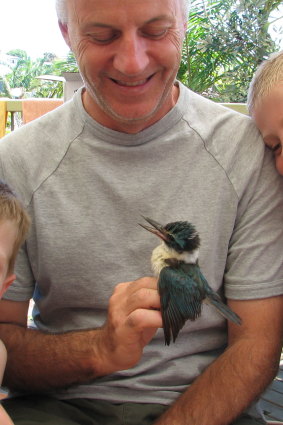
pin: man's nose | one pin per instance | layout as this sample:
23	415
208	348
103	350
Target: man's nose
131	57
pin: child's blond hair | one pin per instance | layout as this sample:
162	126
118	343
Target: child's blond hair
12	209
268	74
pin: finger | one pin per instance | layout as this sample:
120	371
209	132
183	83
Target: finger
144	298
147	281
143	282
126	289
142	319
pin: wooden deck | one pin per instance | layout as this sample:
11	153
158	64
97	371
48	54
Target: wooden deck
272	398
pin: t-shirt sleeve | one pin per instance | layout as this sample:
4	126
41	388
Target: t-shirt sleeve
254	267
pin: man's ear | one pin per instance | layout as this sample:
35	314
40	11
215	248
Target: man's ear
65	33
7	282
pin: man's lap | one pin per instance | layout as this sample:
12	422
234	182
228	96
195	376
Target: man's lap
49	411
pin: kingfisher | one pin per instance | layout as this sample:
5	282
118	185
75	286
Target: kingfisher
181	285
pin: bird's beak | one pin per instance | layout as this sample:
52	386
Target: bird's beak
157	229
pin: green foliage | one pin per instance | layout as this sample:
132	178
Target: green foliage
24	75
225	42
65	65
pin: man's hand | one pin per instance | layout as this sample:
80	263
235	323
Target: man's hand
38	361
133	318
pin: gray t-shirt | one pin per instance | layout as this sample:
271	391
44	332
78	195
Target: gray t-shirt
86	187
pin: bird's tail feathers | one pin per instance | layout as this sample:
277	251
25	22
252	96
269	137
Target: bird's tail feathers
214	300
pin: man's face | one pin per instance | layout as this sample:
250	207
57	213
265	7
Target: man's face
128	52
8	234
268	116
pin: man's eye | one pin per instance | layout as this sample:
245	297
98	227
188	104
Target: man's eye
154	33
103	37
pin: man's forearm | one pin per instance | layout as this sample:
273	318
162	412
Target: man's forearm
38	361
226	387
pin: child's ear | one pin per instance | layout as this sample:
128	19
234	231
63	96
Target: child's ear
7	282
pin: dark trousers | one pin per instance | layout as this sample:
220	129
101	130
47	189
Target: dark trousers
37	410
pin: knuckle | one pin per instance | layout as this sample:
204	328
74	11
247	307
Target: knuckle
140	295
117	293
146	297
137	319
131	321
120	287
144	281
134	320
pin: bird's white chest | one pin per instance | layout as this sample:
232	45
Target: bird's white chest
161	253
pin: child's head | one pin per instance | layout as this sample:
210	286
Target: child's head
14	225
265	104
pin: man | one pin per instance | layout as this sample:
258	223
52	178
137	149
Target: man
135	141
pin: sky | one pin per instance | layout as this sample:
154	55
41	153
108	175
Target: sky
31	25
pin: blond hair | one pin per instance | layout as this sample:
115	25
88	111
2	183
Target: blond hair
12	209
268	74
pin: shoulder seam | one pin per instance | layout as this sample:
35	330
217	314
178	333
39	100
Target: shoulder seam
213	156
56	167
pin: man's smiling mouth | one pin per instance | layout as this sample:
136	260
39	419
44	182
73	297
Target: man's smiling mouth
131	83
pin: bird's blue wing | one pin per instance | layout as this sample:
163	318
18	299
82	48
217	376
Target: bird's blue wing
181	295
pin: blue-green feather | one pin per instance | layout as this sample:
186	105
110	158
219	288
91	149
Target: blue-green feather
182	289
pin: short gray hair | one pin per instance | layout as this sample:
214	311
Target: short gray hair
62	13
268	74
61	9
